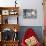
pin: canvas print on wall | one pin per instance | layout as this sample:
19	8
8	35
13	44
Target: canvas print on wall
29	13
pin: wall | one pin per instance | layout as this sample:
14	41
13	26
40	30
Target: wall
27	4
7	3
32	4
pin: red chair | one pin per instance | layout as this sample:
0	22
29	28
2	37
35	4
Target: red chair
29	33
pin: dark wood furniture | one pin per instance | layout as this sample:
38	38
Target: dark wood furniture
4	13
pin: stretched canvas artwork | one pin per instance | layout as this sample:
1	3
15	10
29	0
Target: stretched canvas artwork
29	13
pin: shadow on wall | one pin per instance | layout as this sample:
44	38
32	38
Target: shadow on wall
37	29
